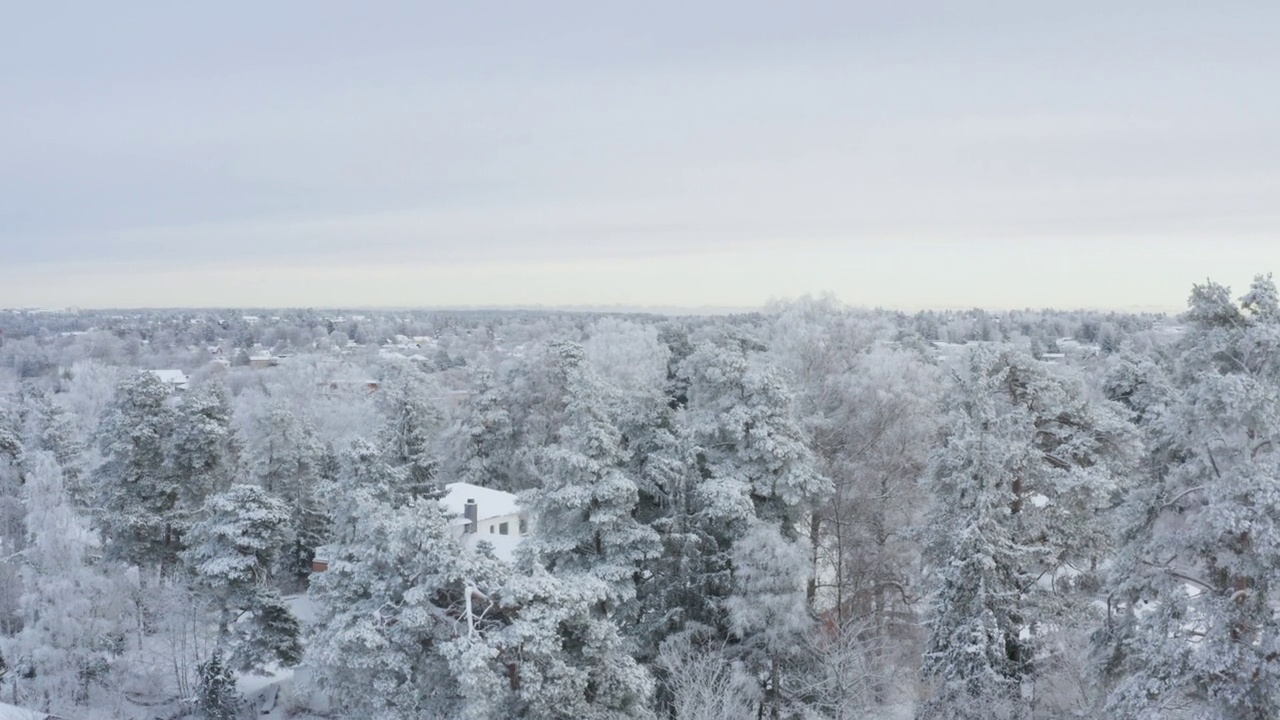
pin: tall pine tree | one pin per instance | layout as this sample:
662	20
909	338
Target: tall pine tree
1196	633
232	551
137	496
1023	483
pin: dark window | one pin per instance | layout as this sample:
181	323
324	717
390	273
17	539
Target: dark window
502	529
490	529
524	526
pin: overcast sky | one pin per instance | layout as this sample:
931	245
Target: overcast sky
913	154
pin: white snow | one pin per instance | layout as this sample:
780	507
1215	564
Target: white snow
504	546
302	607
13	712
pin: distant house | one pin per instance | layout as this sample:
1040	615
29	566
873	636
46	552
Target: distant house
455	399
485	510
259	362
175	379
340	385
476	513
483	514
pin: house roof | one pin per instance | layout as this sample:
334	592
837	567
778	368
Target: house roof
489	503
173	377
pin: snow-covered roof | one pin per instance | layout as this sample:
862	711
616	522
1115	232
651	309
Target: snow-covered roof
489	503
13	712
177	378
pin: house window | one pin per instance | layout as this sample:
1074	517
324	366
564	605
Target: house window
502	529
490	529
524	526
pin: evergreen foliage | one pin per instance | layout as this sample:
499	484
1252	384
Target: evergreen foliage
136	502
217	697
232	550
1195	632
1023	480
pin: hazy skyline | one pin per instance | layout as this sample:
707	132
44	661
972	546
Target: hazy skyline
995	154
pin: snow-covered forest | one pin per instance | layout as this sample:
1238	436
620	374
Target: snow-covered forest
812	511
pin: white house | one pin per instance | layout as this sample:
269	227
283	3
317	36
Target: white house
480	513
477	513
175	379
263	360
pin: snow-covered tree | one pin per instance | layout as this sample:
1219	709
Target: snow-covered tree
410	402
231	552
847	678
702	683
628	355
281	453
88	392
869	414
754	471
401	614
136	493
362	473
480	447
47	426
13	529
217	698
200	452
767	608
566	659
69	627
751	453
583	513
1022	483
1194	632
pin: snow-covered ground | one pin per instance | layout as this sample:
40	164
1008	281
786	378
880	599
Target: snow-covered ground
12	712
276	695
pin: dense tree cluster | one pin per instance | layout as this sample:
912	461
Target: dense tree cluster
809	512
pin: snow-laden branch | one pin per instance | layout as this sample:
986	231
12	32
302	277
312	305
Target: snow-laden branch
1190	491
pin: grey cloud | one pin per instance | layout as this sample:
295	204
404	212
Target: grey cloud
249	133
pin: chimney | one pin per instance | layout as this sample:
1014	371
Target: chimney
472	514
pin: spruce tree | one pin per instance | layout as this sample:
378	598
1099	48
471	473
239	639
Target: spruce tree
217	697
